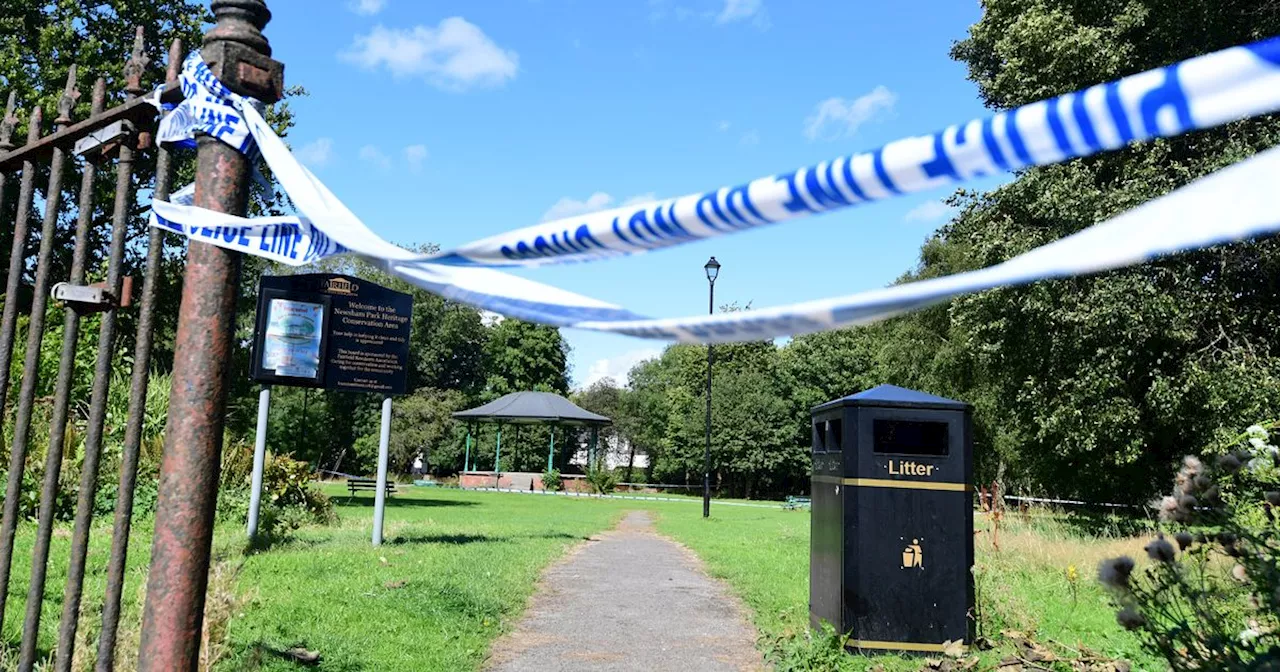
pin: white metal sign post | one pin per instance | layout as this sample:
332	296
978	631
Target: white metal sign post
259	459
380	499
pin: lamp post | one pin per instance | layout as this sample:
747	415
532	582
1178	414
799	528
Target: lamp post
713	270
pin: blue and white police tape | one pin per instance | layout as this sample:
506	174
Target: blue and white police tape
208	107
288	240
1236	203
1199	93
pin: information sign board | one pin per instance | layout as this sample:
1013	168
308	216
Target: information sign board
332	331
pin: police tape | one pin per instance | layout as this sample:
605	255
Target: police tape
289	240
1195	94
1233	204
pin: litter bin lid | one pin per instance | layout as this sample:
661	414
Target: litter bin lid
897	397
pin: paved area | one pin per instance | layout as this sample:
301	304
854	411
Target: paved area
629	600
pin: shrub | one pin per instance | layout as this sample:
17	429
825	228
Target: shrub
275	521
1209	599
822	649
552	481
233	504
289	499
602	480
145	492
286	483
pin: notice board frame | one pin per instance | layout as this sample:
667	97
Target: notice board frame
329	289
260	373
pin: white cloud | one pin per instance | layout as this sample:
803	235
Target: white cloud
571	207
840	117
647	197
929	211
373	155
750	139
745	10
316	153
366	7
618	367
732	11
415	155
454	55
723	126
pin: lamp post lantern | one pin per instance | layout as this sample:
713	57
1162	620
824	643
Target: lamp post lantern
712	268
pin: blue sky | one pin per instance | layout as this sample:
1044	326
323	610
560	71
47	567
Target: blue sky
448	121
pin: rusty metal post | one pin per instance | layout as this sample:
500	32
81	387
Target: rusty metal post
101	376
8	325
137	408
30	375
239	56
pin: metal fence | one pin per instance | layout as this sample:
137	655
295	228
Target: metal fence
240	56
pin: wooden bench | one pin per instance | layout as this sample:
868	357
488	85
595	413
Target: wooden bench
794	503
355	485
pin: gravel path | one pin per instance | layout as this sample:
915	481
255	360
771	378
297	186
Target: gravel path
629	600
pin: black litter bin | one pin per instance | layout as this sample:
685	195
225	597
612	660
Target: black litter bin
891	546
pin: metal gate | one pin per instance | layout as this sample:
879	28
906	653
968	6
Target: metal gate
239	55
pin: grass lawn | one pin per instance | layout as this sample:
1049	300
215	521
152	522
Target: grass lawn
1023	586
457	568
91	604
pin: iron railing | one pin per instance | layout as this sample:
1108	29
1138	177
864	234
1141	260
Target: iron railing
238	54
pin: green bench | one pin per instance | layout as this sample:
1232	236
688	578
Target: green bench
794	503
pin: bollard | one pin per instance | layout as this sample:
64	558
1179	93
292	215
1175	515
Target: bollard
239	56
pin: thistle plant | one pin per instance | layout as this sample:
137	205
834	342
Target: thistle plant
1209	598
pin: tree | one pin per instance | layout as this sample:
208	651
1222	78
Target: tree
422	423
643	410
754	445
522	356
752	442
1093	386
602	397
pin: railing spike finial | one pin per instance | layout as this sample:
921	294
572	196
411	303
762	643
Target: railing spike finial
175	60
99	99
33	124
7	123
69	97
136	65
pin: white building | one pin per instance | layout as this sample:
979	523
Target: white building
617	452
